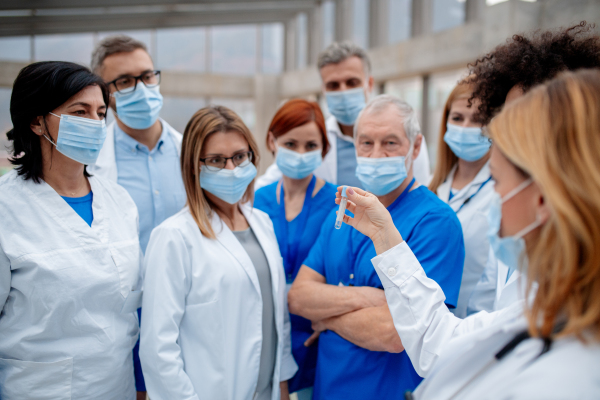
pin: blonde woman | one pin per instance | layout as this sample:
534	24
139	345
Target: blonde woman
215	322
546	214
462	179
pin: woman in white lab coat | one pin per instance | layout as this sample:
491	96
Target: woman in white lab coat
69	249
547	208
462	179
215	322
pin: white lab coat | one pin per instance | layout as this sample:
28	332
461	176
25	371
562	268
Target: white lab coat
106	165
202	320
473	219
568	371
68	293
328	169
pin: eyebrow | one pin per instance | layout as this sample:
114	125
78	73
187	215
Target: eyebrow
133	76
81	103
221	154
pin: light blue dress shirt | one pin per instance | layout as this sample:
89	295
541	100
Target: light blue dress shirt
346	163
152	178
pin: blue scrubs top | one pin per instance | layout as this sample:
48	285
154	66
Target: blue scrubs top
295	240
82	206
434	234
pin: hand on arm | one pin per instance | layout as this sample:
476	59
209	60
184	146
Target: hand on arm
312	298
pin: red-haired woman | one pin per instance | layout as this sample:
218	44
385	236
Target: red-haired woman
298	205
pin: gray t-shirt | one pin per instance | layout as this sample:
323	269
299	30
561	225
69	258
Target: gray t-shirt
268	351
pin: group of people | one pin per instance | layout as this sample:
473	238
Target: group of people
483	279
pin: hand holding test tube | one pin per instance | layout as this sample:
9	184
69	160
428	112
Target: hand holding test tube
342	209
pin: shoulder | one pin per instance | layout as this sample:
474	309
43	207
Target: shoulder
265	195
430	205
180	225
174	133
10	184
116	191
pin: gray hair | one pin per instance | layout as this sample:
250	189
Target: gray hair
337	52
404	110
112	45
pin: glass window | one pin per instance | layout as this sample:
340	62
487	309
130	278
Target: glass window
360	25
328	15
448	14
182	49
399	24
177	111
301	41
72	47
233	49
242	107
272	48
409	90
17	48
5	126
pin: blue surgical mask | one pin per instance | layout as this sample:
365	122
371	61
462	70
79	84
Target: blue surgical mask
509	249
139	109
467	143
79	138
381	175
346	105
295	165
227	184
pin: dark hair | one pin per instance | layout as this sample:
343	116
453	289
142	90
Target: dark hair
40	88
529	60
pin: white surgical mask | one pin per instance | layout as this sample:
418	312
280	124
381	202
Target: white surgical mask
295	165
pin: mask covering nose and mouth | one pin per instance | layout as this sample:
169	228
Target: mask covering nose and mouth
467	143
295	165
228	184
139	109
382	175
346	105
79	138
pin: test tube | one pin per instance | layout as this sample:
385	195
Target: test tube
342	209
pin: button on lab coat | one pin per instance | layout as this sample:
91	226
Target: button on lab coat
568	371
202	311
68	293
473	219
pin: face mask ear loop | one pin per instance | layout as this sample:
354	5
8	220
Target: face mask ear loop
528	228
516	190
47	134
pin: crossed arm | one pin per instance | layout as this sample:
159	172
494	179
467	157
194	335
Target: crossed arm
359	314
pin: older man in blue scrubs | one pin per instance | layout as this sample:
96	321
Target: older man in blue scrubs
360	353
141	151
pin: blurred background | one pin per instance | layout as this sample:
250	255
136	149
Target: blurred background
252	55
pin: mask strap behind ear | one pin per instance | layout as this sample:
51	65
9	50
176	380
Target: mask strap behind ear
516	190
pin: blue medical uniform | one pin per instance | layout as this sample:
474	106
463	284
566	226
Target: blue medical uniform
295	240
82	206
153	180
434	234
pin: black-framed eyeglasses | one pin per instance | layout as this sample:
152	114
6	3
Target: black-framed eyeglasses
217	163
128	83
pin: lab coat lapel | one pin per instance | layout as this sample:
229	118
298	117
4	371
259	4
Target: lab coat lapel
230	243
470	189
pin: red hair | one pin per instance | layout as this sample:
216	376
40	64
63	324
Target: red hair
295	113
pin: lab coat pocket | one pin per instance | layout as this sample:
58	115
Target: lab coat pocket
127	261
28	380
132	302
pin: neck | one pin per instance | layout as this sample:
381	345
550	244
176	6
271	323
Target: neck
148	137
466	171
295	187
347	130
388	199
64	175
222	208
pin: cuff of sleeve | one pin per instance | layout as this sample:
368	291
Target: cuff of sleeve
288	368
396	265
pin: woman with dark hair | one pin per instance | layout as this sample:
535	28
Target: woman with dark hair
298	204
69	249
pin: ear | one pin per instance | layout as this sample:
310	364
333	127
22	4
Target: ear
38	126
417	149
370	84
272	143
542	211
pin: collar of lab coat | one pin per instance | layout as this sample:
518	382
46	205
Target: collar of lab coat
106	165
226	237
443	190
64	215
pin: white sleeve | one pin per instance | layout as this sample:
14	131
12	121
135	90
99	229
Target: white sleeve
272	174
484	294
167	272
288	364
5	277
421	168
422	320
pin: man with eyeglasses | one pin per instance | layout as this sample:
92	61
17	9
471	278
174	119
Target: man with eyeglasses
141	151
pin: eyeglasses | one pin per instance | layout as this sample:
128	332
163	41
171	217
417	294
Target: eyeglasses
217	163
128	83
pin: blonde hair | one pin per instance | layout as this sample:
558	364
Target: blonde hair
446	159
204	123
553	134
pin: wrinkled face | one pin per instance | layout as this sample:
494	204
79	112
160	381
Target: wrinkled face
462	115
381	134
224	144
346	75
301	139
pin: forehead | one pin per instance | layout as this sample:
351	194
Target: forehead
352	67
126	63
306	132
381	123
91	95
224	143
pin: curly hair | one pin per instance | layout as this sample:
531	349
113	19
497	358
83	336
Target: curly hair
528	60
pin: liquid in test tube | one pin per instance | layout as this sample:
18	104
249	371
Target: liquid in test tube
342	209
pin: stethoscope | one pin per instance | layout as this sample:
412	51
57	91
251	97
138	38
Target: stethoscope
506	350
473	195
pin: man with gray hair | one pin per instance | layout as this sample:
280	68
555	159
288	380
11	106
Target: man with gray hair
141	151
360	353
347	82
